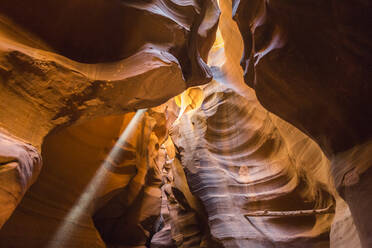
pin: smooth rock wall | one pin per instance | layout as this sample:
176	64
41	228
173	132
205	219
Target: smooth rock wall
239	162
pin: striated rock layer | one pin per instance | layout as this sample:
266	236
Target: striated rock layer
239	176
21	163
262	182
140	198
310	63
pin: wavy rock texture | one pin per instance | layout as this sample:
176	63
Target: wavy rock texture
179	223
61	69
240	163
301	61
309	63
143	199
343	231
64	62
20	164
183	221
239	176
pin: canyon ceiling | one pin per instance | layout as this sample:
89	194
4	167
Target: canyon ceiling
185	123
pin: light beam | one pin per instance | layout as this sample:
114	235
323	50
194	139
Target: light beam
63	233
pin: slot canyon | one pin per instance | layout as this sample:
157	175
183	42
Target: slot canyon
185	124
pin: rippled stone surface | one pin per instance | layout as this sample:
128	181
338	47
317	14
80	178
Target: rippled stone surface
246	165
238	176
20	164
59	69
309	62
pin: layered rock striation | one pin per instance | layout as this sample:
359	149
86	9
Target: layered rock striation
19	162
262	182
210	168
310	63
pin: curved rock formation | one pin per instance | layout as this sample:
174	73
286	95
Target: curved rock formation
128	218
180	223
127	187
124	208
69	61
310	57
236	175
20	165
259	179
71	158
47	77
310	63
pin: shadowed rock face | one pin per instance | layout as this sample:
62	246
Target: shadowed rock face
129	216
126	202
71	158
310	63
143	199
65	62
61	66
102	31
179	223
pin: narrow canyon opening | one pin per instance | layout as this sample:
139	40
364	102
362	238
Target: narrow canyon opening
190	124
